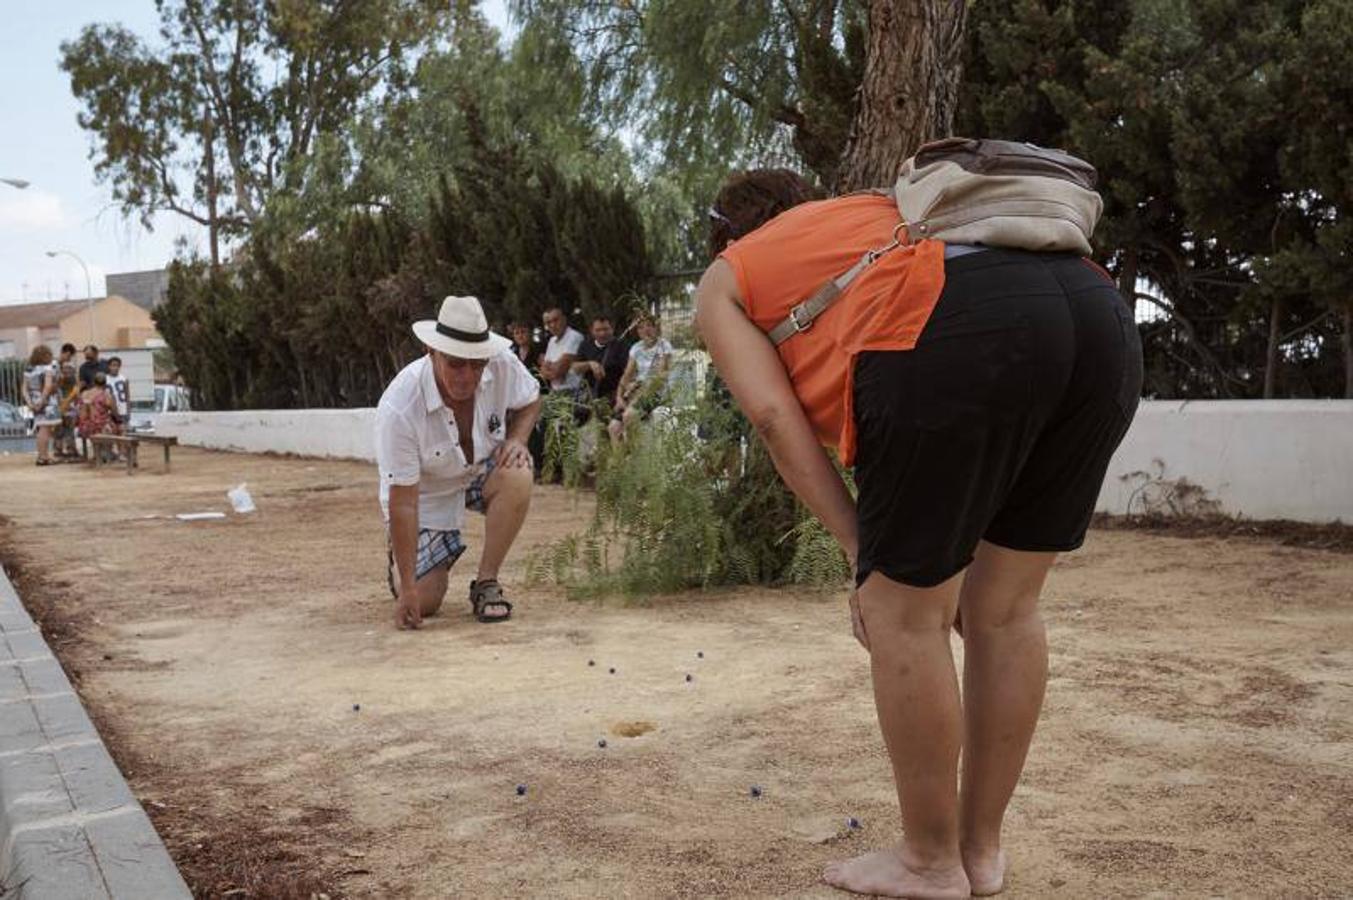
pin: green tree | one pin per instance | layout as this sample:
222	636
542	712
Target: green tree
715	83
236	104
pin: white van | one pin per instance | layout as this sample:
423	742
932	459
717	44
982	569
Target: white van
168	398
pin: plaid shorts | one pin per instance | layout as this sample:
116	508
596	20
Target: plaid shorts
438	548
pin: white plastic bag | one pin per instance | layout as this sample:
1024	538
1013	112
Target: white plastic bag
240	499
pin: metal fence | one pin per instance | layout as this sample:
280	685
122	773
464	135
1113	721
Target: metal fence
13	421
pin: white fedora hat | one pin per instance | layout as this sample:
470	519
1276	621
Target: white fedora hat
462	330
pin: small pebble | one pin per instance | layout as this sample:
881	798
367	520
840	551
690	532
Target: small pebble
690	678
756	791
591	662
700	654
602	743
612	670
356	707
852	822
521	790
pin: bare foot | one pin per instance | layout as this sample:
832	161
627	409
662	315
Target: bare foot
885	874
986	872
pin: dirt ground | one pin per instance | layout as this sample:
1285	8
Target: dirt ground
1197	738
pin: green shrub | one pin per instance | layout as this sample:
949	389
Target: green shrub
690	500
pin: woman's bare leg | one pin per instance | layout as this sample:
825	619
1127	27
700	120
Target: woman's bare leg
44	442
1005	670
916	693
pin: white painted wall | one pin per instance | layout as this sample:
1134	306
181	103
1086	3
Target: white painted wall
1261	459
1281	459
334	433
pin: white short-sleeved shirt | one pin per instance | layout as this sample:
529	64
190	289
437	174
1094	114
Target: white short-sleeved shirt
646	357
417	441
570	342
118	385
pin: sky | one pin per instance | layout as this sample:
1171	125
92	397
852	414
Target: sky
65	208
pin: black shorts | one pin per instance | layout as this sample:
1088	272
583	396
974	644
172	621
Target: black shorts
1000	423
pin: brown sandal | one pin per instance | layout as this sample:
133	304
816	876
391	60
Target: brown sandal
486	593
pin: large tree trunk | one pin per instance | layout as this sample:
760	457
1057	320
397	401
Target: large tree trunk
1127	278
913	64
1275	330
1348	350
209	157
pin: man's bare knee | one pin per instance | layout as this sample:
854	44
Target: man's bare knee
514	481
432	591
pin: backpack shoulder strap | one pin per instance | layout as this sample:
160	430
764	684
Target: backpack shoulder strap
801	315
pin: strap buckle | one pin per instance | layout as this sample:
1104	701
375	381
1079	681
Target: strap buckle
800	325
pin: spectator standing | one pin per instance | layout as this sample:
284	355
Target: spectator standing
560	354
68	393
40	393
121	390
91	365
602	360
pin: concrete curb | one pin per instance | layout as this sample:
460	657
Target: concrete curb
69	824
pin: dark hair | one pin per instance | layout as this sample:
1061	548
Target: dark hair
750	199
89	347
602	317
41	355
68	347
114	359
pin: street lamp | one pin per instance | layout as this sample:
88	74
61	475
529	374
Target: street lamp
15	182
89	288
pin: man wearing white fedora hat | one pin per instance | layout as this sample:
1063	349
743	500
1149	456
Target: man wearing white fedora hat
451	431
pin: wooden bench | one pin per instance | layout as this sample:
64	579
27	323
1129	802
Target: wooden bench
129	443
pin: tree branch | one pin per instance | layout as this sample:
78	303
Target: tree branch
786	114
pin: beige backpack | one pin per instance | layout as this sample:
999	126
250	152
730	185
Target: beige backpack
967	191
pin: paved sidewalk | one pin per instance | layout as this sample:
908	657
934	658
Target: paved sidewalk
69	825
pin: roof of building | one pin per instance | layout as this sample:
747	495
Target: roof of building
40	315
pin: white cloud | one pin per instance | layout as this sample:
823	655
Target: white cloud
31	210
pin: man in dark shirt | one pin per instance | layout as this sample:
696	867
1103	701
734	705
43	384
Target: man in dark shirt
601	360
91	366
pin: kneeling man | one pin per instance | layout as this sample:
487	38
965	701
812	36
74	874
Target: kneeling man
451	433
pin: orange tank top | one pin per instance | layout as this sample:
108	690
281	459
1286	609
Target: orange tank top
784	261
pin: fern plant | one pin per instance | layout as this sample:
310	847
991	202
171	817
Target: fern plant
691	499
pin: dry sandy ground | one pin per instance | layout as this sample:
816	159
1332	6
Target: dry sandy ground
1196	739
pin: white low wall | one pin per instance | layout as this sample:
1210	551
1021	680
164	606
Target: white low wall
1278	459
334	433
1261	459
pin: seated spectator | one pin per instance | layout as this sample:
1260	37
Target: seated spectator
641	387
602	360
560	354
525	346
96	410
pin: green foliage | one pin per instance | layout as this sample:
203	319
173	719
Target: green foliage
241	103
570	165
324	320
690	499
1199	116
